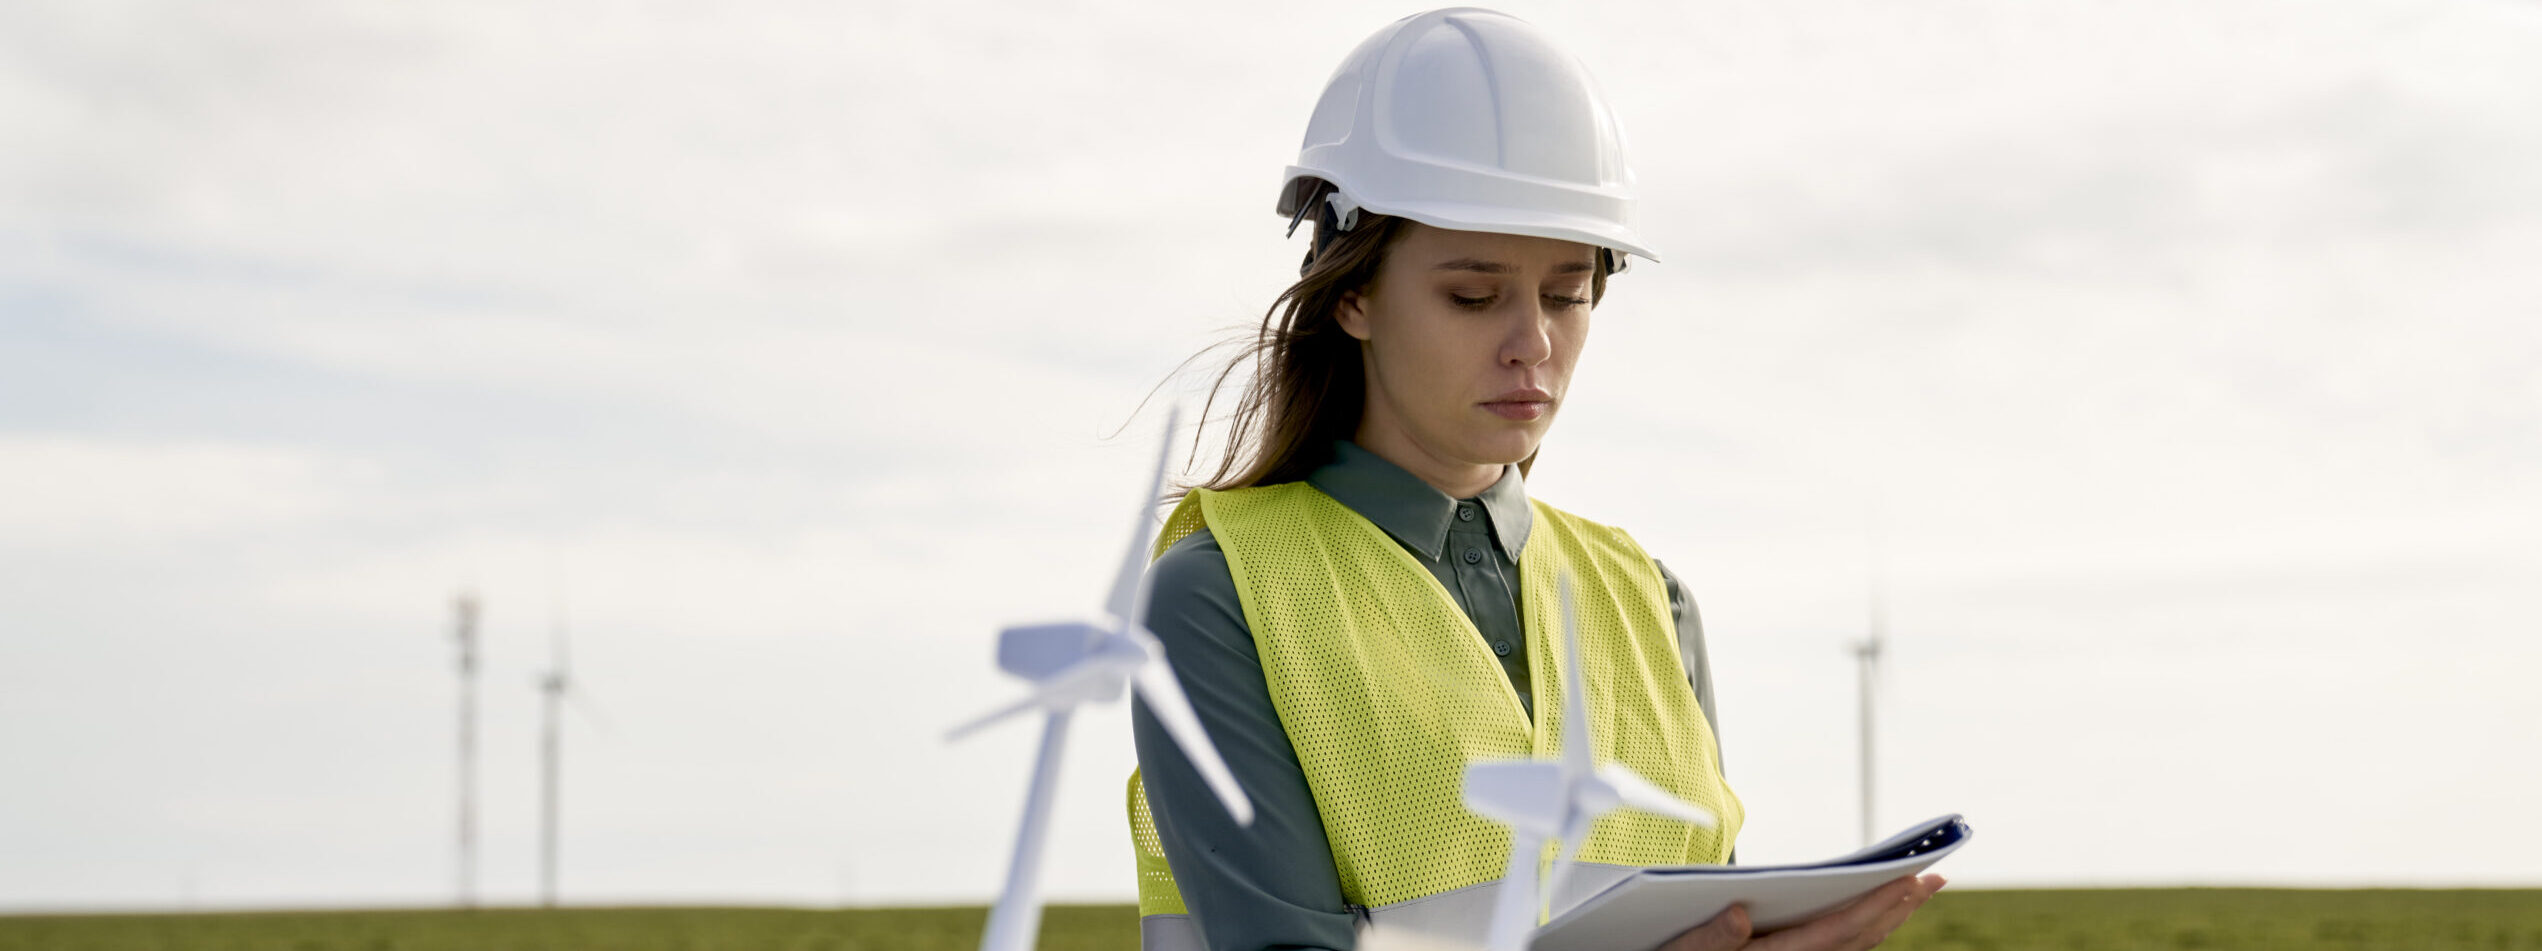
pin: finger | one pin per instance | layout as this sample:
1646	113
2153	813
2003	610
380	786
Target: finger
1889	920
1843	927
1896	915
1725	932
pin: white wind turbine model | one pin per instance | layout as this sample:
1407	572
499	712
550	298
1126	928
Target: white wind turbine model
1071	663
1557	799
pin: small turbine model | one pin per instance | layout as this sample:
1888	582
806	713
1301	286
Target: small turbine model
1075	662
1557	799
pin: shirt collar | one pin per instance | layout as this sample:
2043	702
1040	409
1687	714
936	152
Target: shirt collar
1415	512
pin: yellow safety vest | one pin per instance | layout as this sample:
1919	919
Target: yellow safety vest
1387	692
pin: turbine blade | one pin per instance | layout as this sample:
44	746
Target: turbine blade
1126	600
1030	702
1526	794
1156	682
1577	756
590	708
1644	795
1098	677
1139	598
556	647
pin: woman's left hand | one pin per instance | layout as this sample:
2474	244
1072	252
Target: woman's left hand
1862	924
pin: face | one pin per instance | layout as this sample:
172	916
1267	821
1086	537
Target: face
1469	339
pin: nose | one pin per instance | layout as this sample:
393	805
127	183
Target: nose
1530	338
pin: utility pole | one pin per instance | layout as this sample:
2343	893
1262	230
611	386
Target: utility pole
464	627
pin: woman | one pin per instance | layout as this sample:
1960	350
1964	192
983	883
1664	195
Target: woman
1358	602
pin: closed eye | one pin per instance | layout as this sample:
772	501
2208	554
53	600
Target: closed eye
1482	303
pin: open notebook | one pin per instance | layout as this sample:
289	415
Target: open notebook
1650	906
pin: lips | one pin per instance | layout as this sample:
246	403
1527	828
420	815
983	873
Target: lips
1520	404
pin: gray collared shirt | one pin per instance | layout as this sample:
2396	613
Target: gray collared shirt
1272	886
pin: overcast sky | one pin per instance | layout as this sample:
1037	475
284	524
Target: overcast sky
2186	349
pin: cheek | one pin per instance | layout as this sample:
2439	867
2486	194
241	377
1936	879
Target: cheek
1446	357
1410	343
1569	338
1412	364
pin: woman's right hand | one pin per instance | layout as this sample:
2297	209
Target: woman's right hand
1864	923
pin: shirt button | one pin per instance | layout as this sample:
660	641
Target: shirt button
1465	513
1473	555
1501	648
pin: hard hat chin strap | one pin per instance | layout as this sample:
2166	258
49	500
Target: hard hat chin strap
1332	200
1343	212
1334	215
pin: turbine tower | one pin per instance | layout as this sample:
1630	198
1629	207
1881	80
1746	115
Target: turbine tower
1071	663
1867	658
553	686
1867	652
464	609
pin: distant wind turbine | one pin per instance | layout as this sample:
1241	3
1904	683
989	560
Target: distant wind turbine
464	628
554	687
1557	799
1867	654
1071	663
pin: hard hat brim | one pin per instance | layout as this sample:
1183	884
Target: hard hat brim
1459	216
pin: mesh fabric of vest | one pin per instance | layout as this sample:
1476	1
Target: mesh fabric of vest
1387	691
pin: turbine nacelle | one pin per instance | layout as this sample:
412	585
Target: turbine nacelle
1069	663
1038	652
1073	662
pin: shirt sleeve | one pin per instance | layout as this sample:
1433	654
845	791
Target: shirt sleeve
1690	648
1271	885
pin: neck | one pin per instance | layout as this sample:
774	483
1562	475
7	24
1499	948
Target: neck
1460	480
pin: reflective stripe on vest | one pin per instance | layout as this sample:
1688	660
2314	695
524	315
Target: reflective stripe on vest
1387	691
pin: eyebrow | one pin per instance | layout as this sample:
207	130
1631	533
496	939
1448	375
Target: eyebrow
1495	267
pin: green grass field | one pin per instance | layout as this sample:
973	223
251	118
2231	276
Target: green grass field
2111	920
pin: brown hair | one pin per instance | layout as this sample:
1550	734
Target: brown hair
1308	388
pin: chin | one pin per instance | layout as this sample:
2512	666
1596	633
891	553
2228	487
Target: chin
1509	448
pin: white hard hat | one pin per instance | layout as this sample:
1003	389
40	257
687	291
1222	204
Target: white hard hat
1473	120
